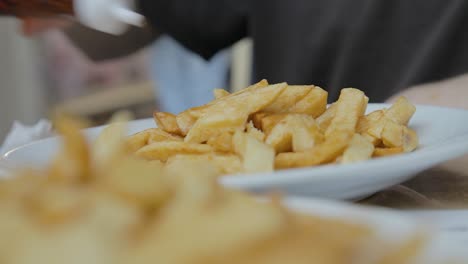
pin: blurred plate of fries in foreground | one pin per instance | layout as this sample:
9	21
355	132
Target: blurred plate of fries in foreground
99	204
285	137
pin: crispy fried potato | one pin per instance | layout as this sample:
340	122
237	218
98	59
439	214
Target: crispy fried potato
288	98
366	121
167	122
159	135
256	155
373	140
401	111
328	151
254	132
256	119
326	118
164	150
222	142
185	122
295	132
220	93
392	134
383	152
351	106
314	103
410	139
359	149
270	121
232	114
138	140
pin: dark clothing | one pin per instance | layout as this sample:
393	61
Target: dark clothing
379	46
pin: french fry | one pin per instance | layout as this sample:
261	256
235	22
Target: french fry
222	142
138	140
270	121
392	135
314	103
167	122
226	163
401	111
220	93
164	150
288	98
185	122
254	132
366	121
159	135
351	106
256	155
326	118
328	151
359	149
383	152
410	140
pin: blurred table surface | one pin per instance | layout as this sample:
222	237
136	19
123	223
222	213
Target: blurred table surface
442	187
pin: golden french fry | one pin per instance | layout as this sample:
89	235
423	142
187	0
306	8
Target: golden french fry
159	135
328	151
257	118
256	155
359	149
185	122
392	134
325	119
314	103
288	98
254	132
410	139
220	93
232	114
383	152
138	140
351	106
163	150
373	140
401	111
167	122
270	121
366	121
280	137
222	142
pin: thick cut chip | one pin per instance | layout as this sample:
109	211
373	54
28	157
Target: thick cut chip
410	139
159	135
359	149
185	122
351	106
373	140
314	103
138	140
232	114
167	122
222	142
256	119
326	118
366	122
254	132
270	121
328	151
392	134
288	98
383	152
401	111
295	132
163	150
256	155
220	93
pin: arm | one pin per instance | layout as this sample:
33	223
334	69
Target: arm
99	46
204	26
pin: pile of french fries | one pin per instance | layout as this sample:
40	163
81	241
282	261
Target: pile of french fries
101	205
266	127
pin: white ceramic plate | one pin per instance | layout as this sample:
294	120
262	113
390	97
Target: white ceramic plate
390	226
443	136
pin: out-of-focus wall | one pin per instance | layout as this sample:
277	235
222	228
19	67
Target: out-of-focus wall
22	95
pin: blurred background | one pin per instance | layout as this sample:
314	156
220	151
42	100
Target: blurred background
47	73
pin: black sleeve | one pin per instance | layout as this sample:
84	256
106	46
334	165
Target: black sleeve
100	46
203	26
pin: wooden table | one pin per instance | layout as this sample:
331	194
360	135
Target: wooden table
442	187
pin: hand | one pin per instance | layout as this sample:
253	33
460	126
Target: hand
32	26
